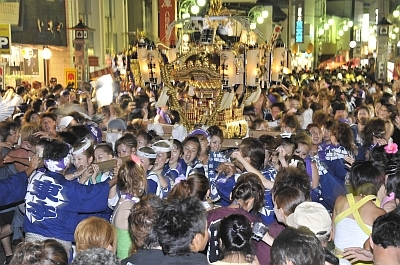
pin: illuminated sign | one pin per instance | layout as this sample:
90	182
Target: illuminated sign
299	26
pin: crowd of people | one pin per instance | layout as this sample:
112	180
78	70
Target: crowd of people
86	183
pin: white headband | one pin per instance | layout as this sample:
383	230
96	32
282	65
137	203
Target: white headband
146	155
85	147
162	149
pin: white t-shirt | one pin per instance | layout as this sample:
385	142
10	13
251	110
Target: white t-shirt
17	100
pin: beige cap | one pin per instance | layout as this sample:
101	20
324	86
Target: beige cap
313	216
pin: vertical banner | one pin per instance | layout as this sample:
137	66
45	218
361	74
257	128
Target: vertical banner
70	76
2	76
5	39
299	23
167	16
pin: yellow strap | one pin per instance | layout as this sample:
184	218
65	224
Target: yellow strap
353	209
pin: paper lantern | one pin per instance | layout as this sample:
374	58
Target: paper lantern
253	61
228	71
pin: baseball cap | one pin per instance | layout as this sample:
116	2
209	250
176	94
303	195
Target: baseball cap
313	216
116	124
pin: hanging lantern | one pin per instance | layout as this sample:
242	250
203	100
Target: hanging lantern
228	73
310	48
253	61
142	57
279	55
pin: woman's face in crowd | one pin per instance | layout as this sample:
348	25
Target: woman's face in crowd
215	143
302	150
101	156
82	160
175	154
13	136
203	145
326	134
123	150
161	160
35	118
316	135
362	114
141	142
383	113
190	151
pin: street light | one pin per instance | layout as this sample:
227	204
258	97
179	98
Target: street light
352	44
195	9
257	14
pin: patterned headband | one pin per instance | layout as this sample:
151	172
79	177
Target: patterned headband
56	166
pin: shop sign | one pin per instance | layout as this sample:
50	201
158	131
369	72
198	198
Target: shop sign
299	24
5	39
167	16
70	76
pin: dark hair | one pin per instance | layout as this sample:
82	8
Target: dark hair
374	127
196	185
37	103
300	246
392	172
235	231
106	148
128	140
48	252
95	256
193	139
55	150
79	118
366	178
48	115
293	177
146	135
215	130
142	220
386	230
291	121
344	135
178	144
248	186
20	90
268	141
288	198
180	221
68	137
80	131
253	149
330	257
6	127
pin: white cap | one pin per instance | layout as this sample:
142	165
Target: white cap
313	216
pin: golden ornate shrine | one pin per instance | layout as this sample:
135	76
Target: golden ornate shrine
208	82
